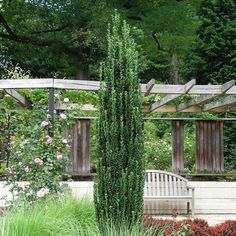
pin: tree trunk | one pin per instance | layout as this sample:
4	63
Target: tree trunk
175	78
82	72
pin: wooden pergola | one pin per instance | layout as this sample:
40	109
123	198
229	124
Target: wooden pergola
200	98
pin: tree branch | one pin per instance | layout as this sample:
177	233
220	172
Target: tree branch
6	26
60	46
40	43
139	18
51	30
157	42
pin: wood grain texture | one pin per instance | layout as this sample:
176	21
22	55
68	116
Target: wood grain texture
79	156
209	147
177	146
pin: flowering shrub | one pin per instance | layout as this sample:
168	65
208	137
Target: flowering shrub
39	155
190	227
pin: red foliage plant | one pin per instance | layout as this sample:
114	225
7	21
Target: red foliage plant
228	228
196	227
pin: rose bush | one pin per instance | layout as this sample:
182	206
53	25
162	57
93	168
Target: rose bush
39	155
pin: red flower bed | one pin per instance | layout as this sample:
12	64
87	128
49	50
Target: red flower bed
192	227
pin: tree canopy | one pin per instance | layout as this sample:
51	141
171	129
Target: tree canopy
67	37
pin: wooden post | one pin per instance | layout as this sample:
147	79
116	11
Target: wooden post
177	146
8	140
51	104
79	155
209	146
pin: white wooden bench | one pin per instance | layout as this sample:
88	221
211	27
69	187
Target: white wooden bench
164	185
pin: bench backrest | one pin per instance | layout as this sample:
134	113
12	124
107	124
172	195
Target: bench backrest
162	183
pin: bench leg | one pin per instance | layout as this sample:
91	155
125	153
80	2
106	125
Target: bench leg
193	204
188	207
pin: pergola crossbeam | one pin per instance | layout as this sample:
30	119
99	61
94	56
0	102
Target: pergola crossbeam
231	99
198	100
205	93
26	83
228	85
203	98
171	97
149	86
21	99
90	85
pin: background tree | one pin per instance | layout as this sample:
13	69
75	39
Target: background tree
213	58
119	185
51	36
169	31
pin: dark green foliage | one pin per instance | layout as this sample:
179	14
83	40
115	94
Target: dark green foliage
66	38
229	146
119	185
213	58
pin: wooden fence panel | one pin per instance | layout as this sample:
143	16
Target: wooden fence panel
79	155
209	146
177	146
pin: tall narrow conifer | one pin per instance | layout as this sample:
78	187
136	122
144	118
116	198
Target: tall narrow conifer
118	192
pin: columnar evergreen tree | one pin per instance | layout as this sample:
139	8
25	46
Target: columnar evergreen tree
119	185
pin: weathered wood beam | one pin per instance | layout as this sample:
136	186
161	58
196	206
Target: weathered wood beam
90	85
203	98
231	99
149	86
164	88
77	84
171	97
84	107
193	102
226	86
21	99
26	83
164	101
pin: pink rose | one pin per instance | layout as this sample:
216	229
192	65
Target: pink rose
42	192
69	136
68	146
63	116
38	161
59	157
64	141
44	124
28	169
49	140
